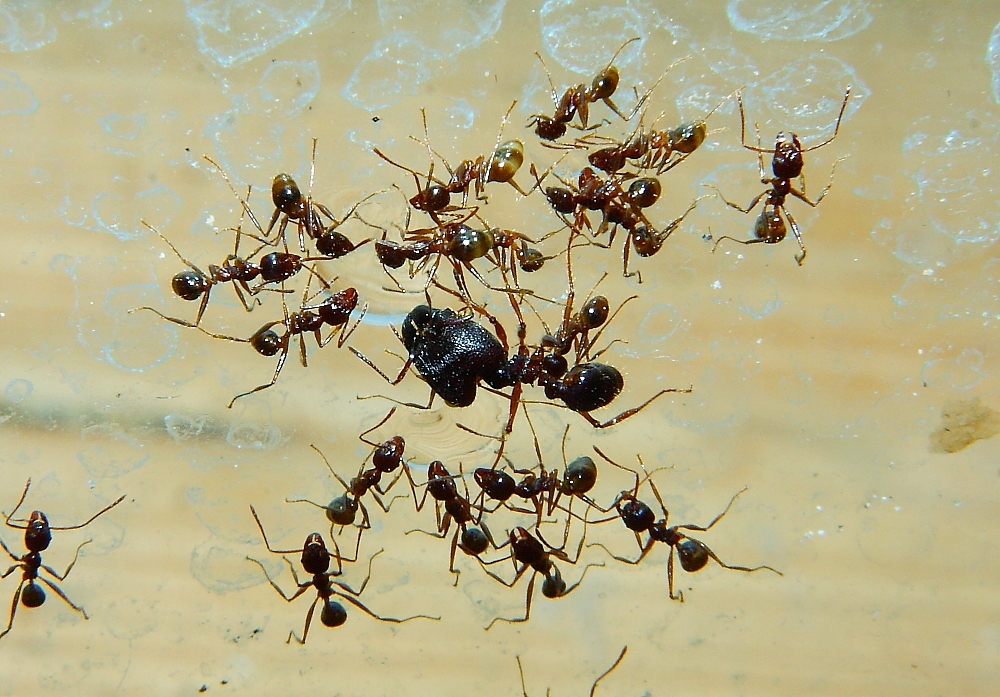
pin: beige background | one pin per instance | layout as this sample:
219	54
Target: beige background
818	387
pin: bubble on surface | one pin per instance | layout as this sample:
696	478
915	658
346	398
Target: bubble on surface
18	390
726	61
962	372
15	96
224	568
397	65
760	301
993	60
122	127
128	617
256	436
461	114
584	40
109	451
799	20
879	187
804	97
660	323
458	24
231	32
182	428
96	13
249	144
24	27
156	205
948	160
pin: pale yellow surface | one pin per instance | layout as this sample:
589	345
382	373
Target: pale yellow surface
823	407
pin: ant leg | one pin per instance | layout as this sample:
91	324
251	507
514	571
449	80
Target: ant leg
68	568
302	587
260	527
392	381
576	585
630	412
798	236
305	629
527	605
836	129
608	672
801	195
10	515
274	378
13	609
345	333
58	591
737	206
93	517
364	608
634	562
739	568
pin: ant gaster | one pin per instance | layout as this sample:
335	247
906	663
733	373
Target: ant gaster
786	165
37	536
316	562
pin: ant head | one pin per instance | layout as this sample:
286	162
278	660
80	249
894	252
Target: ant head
342	510
645	240
266	342
315	557
287	197
562	200
787	162
506	160
636	515
189	285
388	456
414	325
555	365
547	128
37	534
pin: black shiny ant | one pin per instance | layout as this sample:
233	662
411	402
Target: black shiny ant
593	688
37	536
316	561
786	165
577	100
343	510
334	311
471	539
638	517
530	553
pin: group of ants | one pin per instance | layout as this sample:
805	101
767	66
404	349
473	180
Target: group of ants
455	354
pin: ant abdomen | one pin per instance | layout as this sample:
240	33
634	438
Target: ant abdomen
644	192
432	199
636	515
580	476
530	260
587	386
32	595
333	244
279	266
605	83
469	244
333	613
342	510
507	159
474	540
693	554
189	285
266	342
595	312
688	137
497	484
770	227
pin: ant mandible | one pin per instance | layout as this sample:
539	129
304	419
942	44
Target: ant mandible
639	517
37	536
786	165
316	562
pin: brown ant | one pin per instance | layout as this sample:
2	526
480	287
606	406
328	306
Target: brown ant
334	311
694	554
37	536
593	688
343	509
652	149
316	561
577	100
786	165
470	539
530	553
435	197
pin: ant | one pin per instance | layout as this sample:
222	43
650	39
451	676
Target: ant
638	517
530	553
316	561
593	688
470	539
335	311
343	509
786	165
37	536
462	245
654	148
577	100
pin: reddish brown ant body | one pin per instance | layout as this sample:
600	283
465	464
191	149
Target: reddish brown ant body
37	537
786	165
